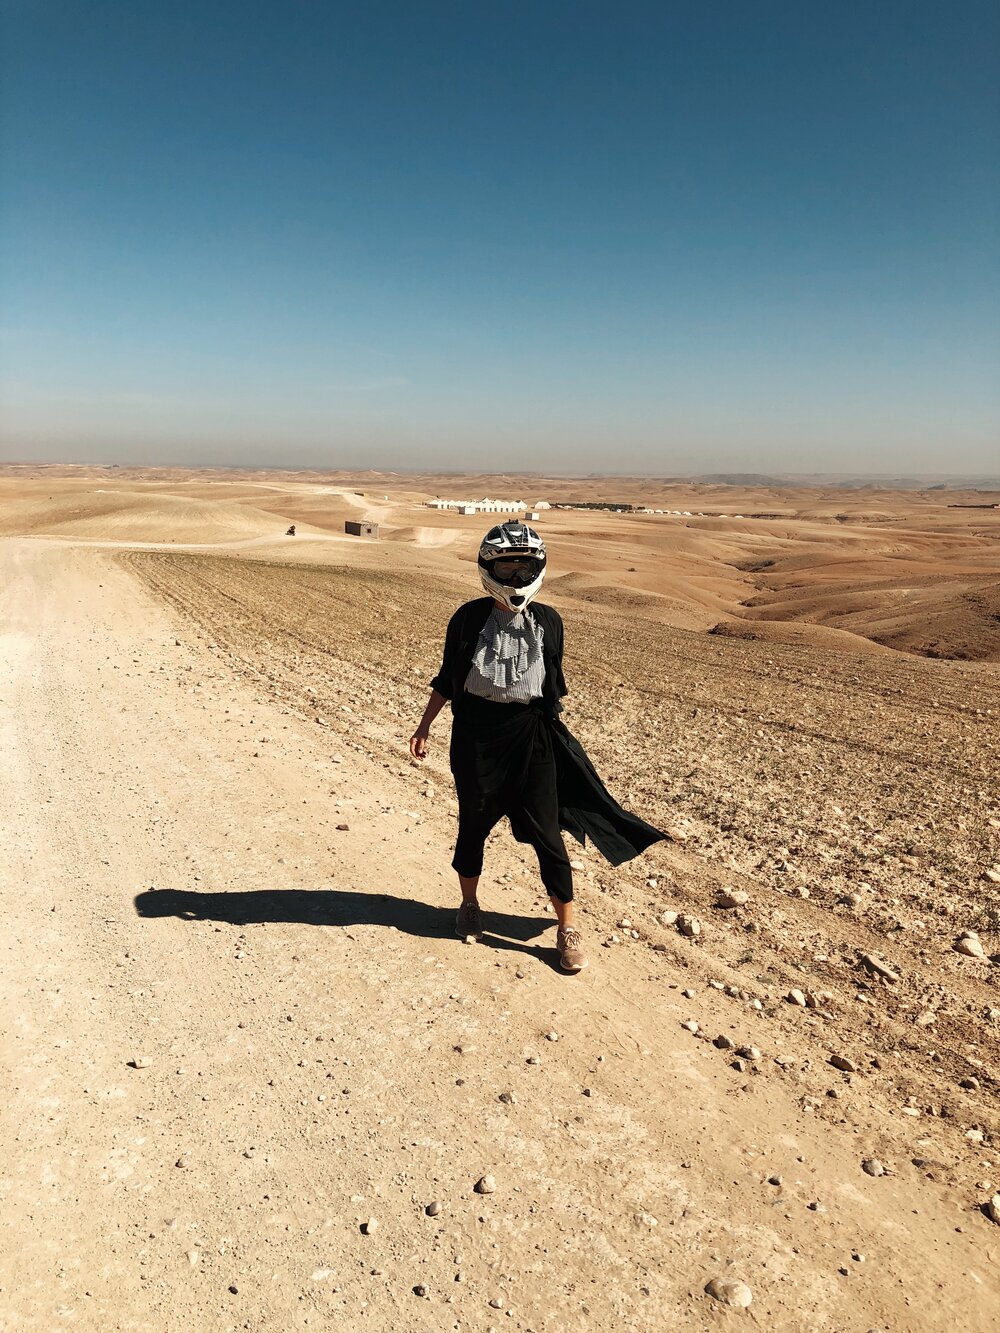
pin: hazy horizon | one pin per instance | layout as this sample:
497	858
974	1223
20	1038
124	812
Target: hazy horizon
667	242
747	479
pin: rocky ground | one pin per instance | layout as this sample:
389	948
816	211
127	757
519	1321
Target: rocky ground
256	1082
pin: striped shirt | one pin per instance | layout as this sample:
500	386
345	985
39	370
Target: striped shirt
507	665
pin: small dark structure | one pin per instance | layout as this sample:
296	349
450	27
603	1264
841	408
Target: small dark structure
290	531
355	529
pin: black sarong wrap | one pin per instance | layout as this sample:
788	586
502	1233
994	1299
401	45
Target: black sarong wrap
491	748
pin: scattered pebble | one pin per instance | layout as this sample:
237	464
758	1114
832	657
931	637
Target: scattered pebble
871	1166
689	926
690	1025
842	1062
141	1062
992	1209
878	968
796	997
370	1227
733	898
729	1292
552	1036
433	1209
486	1185
969	943
750	1052
646	1220
723	1043
508	1099
343	828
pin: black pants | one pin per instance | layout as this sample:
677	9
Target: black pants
532	806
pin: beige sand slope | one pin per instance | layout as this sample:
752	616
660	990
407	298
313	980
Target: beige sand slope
909	570
181	735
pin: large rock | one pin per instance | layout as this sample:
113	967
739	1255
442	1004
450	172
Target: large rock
730	1292
969	943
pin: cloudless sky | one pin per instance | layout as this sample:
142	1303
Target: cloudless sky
448	233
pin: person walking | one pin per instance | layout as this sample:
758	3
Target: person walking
510	753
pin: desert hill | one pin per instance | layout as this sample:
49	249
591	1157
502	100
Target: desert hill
910	570
254	1078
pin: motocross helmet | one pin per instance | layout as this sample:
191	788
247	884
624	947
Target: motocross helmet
512	564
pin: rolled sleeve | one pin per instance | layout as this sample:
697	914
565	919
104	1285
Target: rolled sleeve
442	684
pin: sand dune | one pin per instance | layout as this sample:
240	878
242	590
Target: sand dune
904	569
112	515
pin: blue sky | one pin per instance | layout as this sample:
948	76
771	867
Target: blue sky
595	237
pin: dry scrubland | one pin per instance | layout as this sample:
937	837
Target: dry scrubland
225	870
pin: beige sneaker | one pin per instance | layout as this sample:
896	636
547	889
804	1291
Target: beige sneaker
469	920
570	946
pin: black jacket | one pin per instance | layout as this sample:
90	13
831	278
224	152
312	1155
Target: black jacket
586	807
462	636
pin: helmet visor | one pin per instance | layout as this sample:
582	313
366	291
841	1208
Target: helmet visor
515	571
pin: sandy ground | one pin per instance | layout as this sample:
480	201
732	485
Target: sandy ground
234	1032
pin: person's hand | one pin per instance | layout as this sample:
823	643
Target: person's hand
418	745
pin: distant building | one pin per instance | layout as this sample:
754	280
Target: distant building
355	529
532	516
483	506
488	506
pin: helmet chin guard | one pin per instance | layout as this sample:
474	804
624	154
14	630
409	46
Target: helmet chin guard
506	544
514	599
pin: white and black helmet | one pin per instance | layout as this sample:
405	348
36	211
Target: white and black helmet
512	564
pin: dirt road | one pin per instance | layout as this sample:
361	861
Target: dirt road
236	1038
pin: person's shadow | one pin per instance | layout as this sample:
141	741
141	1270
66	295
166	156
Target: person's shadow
338	907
